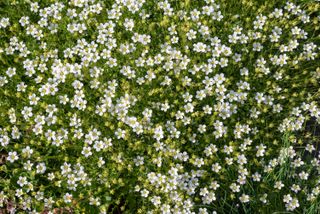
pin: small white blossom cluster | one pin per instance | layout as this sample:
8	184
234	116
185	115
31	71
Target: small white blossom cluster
159	106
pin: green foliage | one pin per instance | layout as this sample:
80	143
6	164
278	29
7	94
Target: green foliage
174	106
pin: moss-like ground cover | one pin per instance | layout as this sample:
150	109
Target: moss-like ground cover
145	106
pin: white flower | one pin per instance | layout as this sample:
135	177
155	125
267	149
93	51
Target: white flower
86	151
128	72
22	181
41	168
189	108
200	47
128	24
242	159
234	187
156	200
27	151
158	133
11	72
278	185
67	198
244	198
303	175
4	22
144	193
216	167
12	156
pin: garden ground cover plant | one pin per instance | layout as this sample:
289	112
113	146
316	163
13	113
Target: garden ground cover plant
144	106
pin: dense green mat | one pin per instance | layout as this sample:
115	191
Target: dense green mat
144	106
